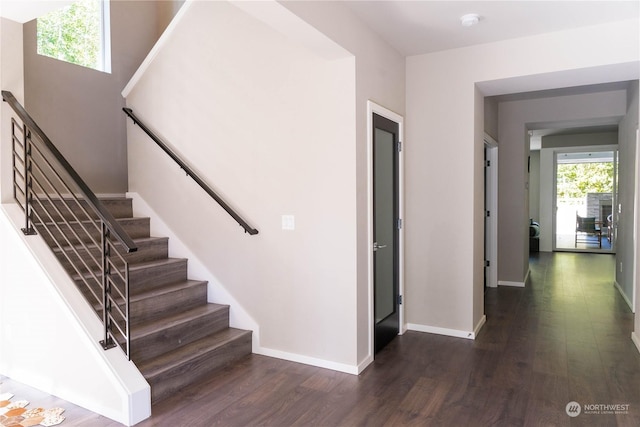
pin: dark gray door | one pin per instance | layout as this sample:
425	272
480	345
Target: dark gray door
385	230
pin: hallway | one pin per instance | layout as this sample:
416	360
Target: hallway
564	338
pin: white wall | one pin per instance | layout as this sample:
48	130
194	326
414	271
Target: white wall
11	79
534	185
550	144
80	109
635	336
627	187
380	77
270	125
516	118
444	267
50	335
491	116
581	139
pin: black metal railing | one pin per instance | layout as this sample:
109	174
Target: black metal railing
82	233
190	172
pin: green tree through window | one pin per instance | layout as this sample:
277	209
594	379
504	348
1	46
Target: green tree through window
575	180
75	34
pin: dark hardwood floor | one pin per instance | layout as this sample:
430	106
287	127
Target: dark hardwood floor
563	338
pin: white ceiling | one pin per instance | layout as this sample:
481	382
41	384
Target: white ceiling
25	10
423	26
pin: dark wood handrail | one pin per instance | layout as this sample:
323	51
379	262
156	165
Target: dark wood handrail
95	204
183	165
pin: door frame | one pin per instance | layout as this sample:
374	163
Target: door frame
491	197
636	233
372	108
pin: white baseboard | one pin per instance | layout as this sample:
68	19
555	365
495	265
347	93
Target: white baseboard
508	283
516	284
636	340
366	362
470	335
479	325
313	361
624	296
238	316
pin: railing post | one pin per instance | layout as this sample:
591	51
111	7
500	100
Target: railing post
13	158
28	206
107	342
128	309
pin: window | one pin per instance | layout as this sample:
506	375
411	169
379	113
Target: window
78	33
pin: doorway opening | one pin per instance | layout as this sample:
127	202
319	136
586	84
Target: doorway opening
584	196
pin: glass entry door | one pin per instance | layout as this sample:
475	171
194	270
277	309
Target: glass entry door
385	230
585	193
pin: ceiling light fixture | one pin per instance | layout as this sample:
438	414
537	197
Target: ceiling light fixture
470	19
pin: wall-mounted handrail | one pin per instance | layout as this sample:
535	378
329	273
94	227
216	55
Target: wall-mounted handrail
183	165
95	204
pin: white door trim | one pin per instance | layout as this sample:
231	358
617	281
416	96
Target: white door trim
491	231
372	107
636	234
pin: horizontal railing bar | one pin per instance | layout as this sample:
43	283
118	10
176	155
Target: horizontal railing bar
115	306
117	325
61	198
21	191
66	255
20	161
190	172
83	277
19	143
91	198
117	268
121	259
19	173
82	224
53	204
19	129
69	244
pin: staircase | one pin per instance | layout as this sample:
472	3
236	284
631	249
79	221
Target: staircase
176	335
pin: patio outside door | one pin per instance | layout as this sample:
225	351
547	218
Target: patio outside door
385	230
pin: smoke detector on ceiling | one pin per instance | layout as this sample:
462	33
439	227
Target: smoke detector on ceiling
470	19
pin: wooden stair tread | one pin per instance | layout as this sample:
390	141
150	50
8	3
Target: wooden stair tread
165	289
176	334
173	359
74	222
136	240
153	263
142	265
153	326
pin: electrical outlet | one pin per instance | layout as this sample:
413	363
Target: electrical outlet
620	266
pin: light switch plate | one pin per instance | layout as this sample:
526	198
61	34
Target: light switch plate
288	222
